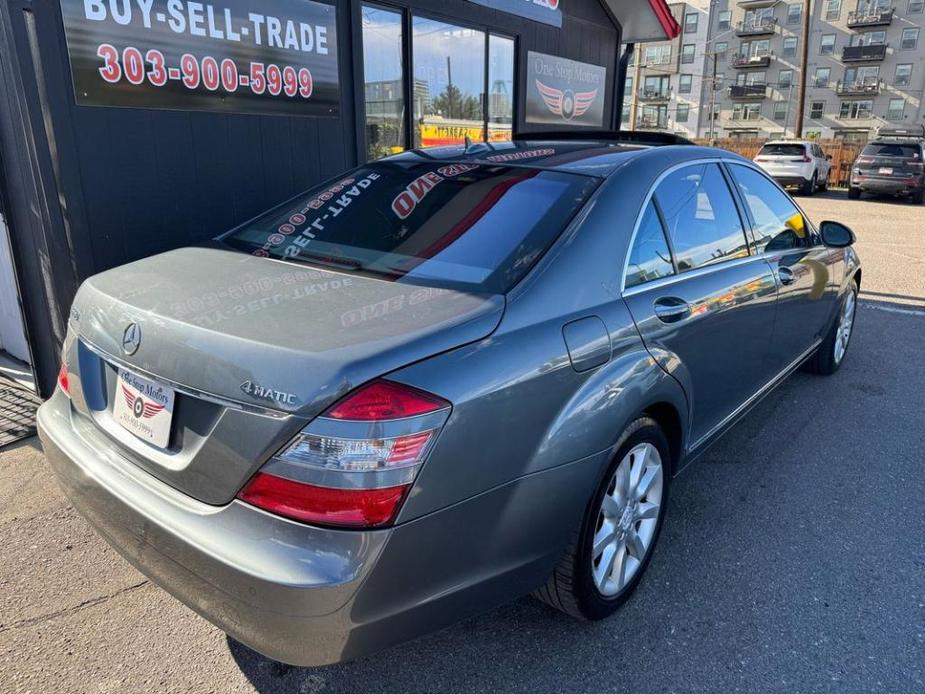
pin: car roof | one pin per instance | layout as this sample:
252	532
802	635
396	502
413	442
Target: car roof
788	142
591	157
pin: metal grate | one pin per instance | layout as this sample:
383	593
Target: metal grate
17	412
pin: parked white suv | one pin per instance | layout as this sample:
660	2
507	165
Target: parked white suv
796	163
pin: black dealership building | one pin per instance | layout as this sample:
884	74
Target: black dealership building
130	127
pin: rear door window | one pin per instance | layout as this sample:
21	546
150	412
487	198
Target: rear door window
466	226
650	257
702	219
778	224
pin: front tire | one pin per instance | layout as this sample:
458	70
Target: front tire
609	553
830	355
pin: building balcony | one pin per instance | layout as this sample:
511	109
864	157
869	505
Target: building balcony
739	116
758	27
870	18
655	95
754	4
863	54
651	122
859	88
743	61
748	92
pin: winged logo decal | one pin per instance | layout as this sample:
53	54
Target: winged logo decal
565	103
139	407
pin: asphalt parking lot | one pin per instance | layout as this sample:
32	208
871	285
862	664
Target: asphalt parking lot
793	559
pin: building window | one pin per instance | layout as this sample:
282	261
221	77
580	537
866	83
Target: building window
855	109
784	79
658	55
654	117
452	80
910	38
751	77
684	84
687	53
383	75
916	6
832	10
681	113
625	114
780	110
903	76
795	13
746	111
816	109
790	47
720	50
750	49
724	19
895	110
862	76
500	87
690	22
821	77
628	86
656	86
827	44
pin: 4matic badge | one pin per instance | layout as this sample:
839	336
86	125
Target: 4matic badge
257	391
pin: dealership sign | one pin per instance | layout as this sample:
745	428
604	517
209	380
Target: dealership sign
545	11
243	56
564	92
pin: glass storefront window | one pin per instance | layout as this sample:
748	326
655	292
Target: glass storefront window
384	82
500	88
449	82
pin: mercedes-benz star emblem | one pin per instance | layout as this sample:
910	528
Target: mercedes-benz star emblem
131	339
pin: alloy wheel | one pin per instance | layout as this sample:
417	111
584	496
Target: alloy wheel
845	326
628	519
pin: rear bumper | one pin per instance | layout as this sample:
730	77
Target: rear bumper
886	186
312	596
790	180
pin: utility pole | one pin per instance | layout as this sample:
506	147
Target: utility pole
713	103
804	59
637	67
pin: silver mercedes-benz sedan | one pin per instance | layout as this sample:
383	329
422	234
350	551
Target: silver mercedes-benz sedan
436	383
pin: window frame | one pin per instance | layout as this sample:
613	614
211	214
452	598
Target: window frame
788	52
693	53
794	20
687	113
724	19
823	45
917	8
744	221
915	41
687	22
690	83
812	109
408	14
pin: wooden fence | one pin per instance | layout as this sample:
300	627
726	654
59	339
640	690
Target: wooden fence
843	155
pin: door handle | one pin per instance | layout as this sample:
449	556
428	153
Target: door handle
785	275
671	309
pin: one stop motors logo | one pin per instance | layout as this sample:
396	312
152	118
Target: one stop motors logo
562	91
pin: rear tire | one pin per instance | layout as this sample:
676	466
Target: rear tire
809	186
830	355
854	193
824	184
590	583
919	197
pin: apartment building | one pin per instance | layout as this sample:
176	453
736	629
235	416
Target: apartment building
665	83
865	69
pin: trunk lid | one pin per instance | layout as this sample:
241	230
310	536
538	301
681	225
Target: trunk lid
254	348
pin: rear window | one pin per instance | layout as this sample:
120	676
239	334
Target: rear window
784	150
889	149
457	225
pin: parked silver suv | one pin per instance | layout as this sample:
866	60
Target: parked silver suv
799	163
436	383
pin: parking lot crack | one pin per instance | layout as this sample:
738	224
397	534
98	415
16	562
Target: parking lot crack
31	621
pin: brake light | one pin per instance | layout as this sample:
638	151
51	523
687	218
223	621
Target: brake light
385	400
63	380
353	465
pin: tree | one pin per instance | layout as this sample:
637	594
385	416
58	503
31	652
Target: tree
452	103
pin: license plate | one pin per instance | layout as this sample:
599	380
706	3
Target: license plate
886	171
144	407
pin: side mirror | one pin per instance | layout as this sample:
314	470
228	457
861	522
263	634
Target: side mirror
836	235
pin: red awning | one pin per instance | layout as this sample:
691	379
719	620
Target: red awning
644	20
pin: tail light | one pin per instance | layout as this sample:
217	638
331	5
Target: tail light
353	465
63	381
916	166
